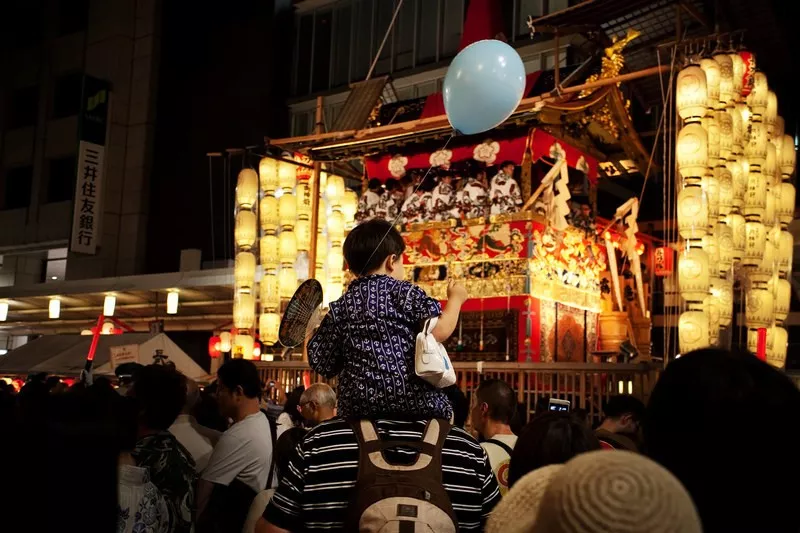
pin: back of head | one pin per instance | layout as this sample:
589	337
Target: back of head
459	403
615	491
161	392
500	399
321	394
725	424
374	185
292	403
192	396
550	438
623	404
369	244
241	373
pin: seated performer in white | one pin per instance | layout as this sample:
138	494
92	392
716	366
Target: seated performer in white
504	192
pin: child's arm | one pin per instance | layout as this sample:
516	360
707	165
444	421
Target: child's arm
325	349
448	320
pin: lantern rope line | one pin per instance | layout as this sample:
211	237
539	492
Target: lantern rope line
399	213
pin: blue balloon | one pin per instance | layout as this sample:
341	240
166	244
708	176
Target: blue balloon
483	86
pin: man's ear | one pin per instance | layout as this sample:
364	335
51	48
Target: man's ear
239	390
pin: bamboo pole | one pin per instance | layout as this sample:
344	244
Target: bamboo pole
315	193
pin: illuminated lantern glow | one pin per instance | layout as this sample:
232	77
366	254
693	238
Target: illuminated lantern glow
692	212
214	347
755	244
693	331
334	190
738	133
725	79
725	180
268	175
246	188
303	195
244	271
303	232
711	70
692	152
738	74
172	302
725	303
738	227
712	310
755	199
335	290
270	295
782	291
336	227
693	274
785	209
3	311
287	282
725	121
322	248
287	247
724	238
692	94
287	176
710	185
287	211
757	99
739	181
663	258
780	344
268	214
778	132
268	251
268	326
765	269
256	350
245	230
244	310
785	252
109	303
744	116
349	207
759	308
711	247
243	346
770	163
107	329
771	113
749	63
335	261
711	125
788	157
225	342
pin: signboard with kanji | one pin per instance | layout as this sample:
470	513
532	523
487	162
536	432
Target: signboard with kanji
128	353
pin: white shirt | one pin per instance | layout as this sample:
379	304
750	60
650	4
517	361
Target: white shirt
283	424
499	458
244	452
198	440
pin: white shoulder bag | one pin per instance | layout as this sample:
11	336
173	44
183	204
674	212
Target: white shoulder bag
431	360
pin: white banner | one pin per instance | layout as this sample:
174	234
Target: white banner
88	199
128	353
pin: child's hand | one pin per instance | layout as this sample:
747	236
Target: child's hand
456	291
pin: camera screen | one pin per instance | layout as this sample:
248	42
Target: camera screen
559	407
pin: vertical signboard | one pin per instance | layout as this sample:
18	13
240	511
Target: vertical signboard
92	126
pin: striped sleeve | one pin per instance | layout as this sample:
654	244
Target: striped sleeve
490	489
284	508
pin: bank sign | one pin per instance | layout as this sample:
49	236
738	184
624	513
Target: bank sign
92	127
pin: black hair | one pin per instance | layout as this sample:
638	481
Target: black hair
160	391
505	163
391	184
124	409
724	423
459	403
292	402
373	184
369	244
622	404
405	180
497	394
550	438
241	373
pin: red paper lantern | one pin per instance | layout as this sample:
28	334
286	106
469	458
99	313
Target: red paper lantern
749	59
213	347
663	261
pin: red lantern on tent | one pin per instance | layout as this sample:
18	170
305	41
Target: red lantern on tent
663	261
749	59
213	347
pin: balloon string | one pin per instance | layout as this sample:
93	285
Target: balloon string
400	211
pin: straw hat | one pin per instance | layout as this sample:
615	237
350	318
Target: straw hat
615	492
516	512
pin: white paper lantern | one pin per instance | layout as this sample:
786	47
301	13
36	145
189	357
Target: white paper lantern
692	152
759	307
287	282
712	72
270	295
335	261
710	185
268	326
303	195
770	163
244	270
287	176
693	331
725	121
287	211
756	149
349	207
765	269
739	180
693	274
755	244
782	291
336	227
335	190
225	342
244	310
725	79
287	247
711	125
691	97
785	252
245	230
744	115
724	238
772	112
243	346
738	75
268	175
737	225
738	133
780	344
725	180
785	209
711	309
711	247
757	99
268	214
788	157
303	231
268	248
725	302
755	200
322	248
692	212
246	188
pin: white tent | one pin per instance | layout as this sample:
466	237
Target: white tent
66	354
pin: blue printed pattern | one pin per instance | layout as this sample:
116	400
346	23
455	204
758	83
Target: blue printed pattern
368	339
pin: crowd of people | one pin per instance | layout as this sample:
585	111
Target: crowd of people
421	198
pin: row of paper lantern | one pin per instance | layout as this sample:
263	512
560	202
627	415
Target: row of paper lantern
735	161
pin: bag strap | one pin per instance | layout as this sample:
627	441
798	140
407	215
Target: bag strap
371	446
506	448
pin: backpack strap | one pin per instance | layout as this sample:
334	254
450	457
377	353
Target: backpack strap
505	447
429	447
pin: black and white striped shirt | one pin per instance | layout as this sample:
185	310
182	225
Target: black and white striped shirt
315	491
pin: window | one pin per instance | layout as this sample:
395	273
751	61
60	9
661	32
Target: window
23	107
528	8
383	17
61	179
427	21
453	24
343	23
67	95
55	265
322	51
303	64
18	187
73	16
404	37
362	44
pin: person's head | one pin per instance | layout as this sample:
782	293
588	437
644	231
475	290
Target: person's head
623	414
405	181
495	403
374	185
375	247
318	404
238	387
192	396
550	438
160	392
508	167
725	423
586	210
460	404
391	185
292	405
447	179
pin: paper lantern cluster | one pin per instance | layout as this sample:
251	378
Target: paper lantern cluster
735	203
